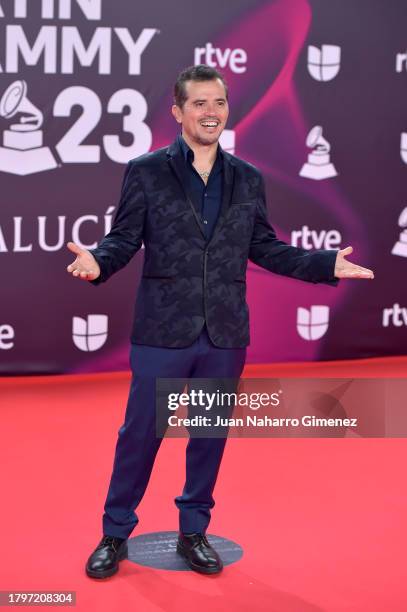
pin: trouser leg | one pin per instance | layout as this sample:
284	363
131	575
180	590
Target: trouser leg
204	455
135	453
137	443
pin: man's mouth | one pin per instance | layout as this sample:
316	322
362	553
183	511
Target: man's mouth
210	123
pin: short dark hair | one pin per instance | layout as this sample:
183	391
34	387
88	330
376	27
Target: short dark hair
202	72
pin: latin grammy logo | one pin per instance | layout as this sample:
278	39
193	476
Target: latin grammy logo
319	164
23	152
400	248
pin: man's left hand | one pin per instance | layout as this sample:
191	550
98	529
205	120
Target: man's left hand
346	269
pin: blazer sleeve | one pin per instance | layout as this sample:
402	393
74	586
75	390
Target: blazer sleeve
126	236
267	251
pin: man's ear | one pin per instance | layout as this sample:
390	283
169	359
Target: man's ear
176	113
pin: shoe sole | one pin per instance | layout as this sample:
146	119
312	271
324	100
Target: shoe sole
107	573
198	568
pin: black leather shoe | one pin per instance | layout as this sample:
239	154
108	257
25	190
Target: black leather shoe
104	561
198	553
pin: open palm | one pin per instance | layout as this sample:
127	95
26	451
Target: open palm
85	265
346	269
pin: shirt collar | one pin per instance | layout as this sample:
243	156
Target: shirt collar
188	153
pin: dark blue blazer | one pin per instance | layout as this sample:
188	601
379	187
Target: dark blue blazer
186	280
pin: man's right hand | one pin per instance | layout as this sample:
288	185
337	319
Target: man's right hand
85	265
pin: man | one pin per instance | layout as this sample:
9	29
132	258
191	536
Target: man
201	214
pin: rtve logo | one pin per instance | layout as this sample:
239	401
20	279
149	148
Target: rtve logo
6	337
212	56
396	316
401	58
312	324
324	63
89	334
311	239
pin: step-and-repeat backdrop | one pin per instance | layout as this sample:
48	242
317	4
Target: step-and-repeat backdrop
318	98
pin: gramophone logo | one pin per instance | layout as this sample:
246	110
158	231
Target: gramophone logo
403	147
227	141
400	248
22	152
319	164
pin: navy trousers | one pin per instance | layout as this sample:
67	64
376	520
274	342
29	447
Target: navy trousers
137	443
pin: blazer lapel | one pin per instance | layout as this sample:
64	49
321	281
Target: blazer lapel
177	166
227	190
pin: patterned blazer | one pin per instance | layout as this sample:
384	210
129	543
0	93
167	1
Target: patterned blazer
186	280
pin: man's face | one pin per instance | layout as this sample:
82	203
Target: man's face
204	113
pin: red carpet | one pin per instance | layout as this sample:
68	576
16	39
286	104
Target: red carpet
322	522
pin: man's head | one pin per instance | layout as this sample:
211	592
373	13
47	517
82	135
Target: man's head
201	104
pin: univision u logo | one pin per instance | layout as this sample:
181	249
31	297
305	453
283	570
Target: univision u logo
89	334
324	63
312	324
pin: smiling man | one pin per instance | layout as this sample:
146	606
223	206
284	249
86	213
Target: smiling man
202	215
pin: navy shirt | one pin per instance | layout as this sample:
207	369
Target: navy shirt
207	199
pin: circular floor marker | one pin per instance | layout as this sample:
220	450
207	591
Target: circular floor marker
158	550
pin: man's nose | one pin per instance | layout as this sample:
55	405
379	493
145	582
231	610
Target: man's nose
211	110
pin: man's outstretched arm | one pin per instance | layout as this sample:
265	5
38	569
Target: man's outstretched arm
122	242
317	266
